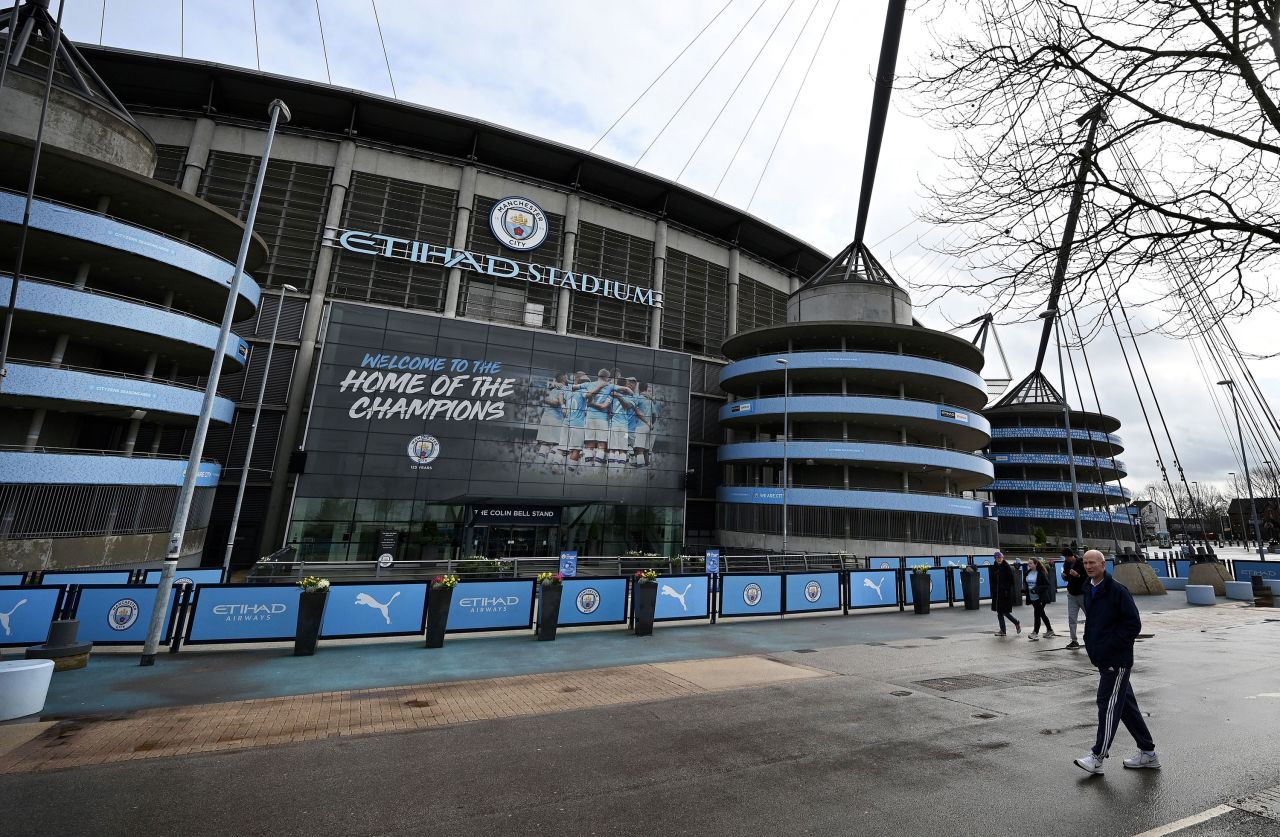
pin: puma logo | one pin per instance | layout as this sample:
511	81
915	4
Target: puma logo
369	601
4	617
866	582
668	590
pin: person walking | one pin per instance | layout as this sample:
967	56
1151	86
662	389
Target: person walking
1004	589
1040	587
1111	625
1073	573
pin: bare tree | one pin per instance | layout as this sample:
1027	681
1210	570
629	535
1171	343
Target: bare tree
1184	192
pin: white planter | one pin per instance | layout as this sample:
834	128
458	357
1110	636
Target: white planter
24	685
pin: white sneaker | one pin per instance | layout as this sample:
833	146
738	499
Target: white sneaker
1034	637
1143	759
1049	634
1090	764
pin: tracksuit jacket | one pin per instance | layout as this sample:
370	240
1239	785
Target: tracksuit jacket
1111	623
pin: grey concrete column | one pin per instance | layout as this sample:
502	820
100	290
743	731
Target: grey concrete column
566	262
289	435
732	313
795	284
197	155
659	280
462	225
135	423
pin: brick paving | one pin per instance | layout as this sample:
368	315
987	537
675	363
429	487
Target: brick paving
204	728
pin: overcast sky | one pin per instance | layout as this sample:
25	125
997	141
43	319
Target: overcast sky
566	69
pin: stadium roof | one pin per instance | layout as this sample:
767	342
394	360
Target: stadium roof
147	82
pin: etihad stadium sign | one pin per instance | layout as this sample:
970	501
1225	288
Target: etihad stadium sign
380	245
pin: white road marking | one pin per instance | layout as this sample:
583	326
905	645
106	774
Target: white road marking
1186	822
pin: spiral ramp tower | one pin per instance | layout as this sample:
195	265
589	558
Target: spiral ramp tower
123	283
1033	469
883	425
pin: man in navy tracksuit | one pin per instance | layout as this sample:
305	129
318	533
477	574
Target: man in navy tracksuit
1111	626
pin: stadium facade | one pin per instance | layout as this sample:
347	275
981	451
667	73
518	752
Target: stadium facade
496	345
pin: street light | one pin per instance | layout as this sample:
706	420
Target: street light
786	435
253	433
1244	462
279	111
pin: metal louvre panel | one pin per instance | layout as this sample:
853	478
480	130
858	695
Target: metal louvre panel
290	215
277	382
704	420
33	511
260	324
705	378
414	211
264	446
759	305
509	300
170	162
610	254
695	299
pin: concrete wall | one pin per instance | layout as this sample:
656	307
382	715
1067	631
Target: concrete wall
94	551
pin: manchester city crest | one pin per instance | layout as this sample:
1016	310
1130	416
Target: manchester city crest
751	594
813	591
518	223
123	614
588	600
424	449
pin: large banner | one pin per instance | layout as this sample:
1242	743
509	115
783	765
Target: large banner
1245	570
120	614
87	577
25	614
194	577
937	581
244	613
681	597
984	582
491	605
8	579
420	407
812	591
374	608
593	601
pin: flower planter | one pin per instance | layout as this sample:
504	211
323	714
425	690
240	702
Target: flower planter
549	611
921	584
971	588
310	615
438	615
644	601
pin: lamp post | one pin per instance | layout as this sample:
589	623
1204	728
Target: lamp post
1198	510
1244	463
1244	527
253	432
279	111
786	437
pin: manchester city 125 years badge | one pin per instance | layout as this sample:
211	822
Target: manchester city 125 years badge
123	614
588	600
751	594
813	591
424	449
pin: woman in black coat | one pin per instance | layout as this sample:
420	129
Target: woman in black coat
1004	588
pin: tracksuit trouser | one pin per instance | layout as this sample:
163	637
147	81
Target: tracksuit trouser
1075	606
1116	703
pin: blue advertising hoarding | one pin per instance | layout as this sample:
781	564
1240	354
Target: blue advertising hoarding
491	605
751	595
1057	569
681	597
87	577
937	590
594	601
119	614
885	562
983	560
807	592
713	561
1245	570
984	582
569	563
25	614
374	608
873	588
11	579
243	613
1182	567
194	577
1160	566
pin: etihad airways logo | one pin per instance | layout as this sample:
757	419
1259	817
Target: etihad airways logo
392	247
256	612
488	604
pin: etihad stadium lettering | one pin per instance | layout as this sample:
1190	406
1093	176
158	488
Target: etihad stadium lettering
391	247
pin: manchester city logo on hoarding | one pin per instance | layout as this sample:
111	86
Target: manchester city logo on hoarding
518	223
588	600
813	591
123	614
751	594
424	449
